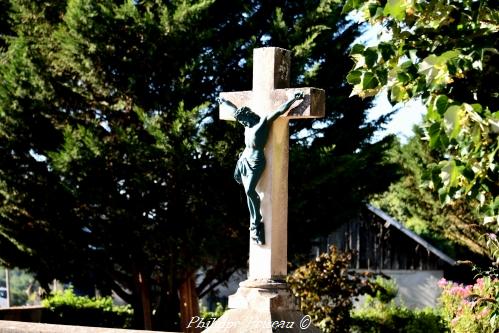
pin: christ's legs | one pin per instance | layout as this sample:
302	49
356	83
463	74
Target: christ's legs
253	200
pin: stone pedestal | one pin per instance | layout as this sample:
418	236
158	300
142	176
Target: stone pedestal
261	306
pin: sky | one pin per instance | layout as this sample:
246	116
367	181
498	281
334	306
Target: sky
408	114
402	122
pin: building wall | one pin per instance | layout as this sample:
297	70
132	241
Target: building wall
416	289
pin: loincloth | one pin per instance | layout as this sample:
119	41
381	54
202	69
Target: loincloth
248	165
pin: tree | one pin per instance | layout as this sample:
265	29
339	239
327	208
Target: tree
454	228
4	22
445	52
22	287
114	172
93	188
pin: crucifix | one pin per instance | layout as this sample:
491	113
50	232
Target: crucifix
273	103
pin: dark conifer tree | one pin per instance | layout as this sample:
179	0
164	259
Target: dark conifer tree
114	170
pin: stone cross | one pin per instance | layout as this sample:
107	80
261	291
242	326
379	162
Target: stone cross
270	79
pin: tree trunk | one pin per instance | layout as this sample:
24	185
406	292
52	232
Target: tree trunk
166	314
145	300
189	305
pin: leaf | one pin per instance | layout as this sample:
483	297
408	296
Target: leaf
354	77
348	7
386	50
432	114
403	77
398	93
396	9
357	49
382	75
369	81
371	56
448	55
441	103
427	67
420	86
452	120
450	173
434	134
406	65
373	9
494	125
435	67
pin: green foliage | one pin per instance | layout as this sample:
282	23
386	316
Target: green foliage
390	318
215	314
22	285
88	187
325	289
454	228
68	309
387	290
473	308
114	169
456	78
380	314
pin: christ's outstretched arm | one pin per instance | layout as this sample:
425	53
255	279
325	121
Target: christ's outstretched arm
285	106
231	105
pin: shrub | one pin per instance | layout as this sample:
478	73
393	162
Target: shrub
472	308
378	317
379	314
68	309
210	315
387	290
326	288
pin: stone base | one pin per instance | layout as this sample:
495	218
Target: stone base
22	327
261	306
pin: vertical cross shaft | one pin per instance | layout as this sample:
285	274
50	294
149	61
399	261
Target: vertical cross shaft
269	261
270	89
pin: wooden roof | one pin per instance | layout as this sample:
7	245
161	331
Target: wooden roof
396	224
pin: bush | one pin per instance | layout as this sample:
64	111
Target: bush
389	318
379	314
326	288
386	291
210	315
472	308
68	309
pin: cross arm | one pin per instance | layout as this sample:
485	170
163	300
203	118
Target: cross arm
285	106
237	99
312	105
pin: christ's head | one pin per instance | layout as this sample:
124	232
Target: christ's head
246	117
